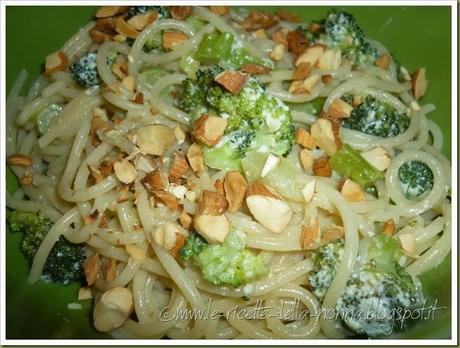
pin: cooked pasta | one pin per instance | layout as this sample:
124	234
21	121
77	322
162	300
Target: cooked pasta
96	172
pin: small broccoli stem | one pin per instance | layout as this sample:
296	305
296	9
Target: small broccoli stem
214	48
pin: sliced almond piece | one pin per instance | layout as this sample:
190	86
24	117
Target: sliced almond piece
128	83
109	269
178	168
56	61
309	233
137	252
209	129
378	157
306	159
84	293
212	203
219	185
326	79
125	171
314	27
271	163
322	167
235	187
419	83
110	11
383	61
113	309
155	181
259	34
389	227
288	16
309	191
232	81
323	134
125	29
173	39
258	188
277	53
98	36
19	159
140	21
331	234
280	37
179	134
330	59
91	268
272	213
220	10
180	12
195	158
171	237
254	69
311	55
339	109
155	139
168	199
408	244
352	192
297	43
185	220
302	71
304	86
258	19
213	228
304	139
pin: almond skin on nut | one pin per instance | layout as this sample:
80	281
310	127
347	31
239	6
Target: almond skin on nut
272	213
232	81
209	129
235	187
212	203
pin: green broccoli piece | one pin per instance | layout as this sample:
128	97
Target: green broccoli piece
194	245
228	263
378	288
377	118
348	162
84	70
46	115
65	262
416	179
340	29
163	11
326	260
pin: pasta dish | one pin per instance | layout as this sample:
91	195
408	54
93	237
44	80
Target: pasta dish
215	172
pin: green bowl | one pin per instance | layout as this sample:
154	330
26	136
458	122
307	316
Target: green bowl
417	36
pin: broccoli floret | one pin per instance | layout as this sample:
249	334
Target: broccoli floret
154	42
193	246
325	260
228	263
379	287
340	29
84	70
257	121
416	179
163	11
377	118
65	262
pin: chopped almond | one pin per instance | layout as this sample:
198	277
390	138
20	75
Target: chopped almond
332	233
212	203
124	194
20	159
213	228
304	139
155	139
311	55
91	268
220	10
110	11
314	27
27	179
339	109
297	42
258	19
155	181
128	83
219	185
125	29
309	191
378	157
119	38
271	163
98	36
383	61
195	158
304	86
330	59
280	37
258	188
288	16
171	237
139	98
408	244
389	227
209	129
259	34
98	124
173	39
309	233
89	219
232	81
106	168
178	168
306	159
323	133
301	71
321	167
272	213
185	220
57	61
326	79
140	21
106	25
277	53
180	12
235	187
419	83
109	269
125	171
84	293
168	200
254	69
352	192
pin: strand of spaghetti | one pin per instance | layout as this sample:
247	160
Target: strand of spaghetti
59	227
436	132
127	274
108	47
78	43
12	108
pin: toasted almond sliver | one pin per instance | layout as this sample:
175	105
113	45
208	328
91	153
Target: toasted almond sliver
321	167
306	159
155	181
301	71
209	129
57	61
272	213
309	191
309	233
389	227
330	59
178	168
173	39
280	37
259	19
125	29
378	157
383	61
219	186
235	187
304	139
195	158
168	200
297	42
140	21
331	234
339	109
232	81
277	53
213	228
323	133
305	86
419	83
254	69
125	171
185	220
19	159
180	12
212	203
258	188
311	55
271	163
220	10
407	241
128	83
352	191
110	11
288	16
91	268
